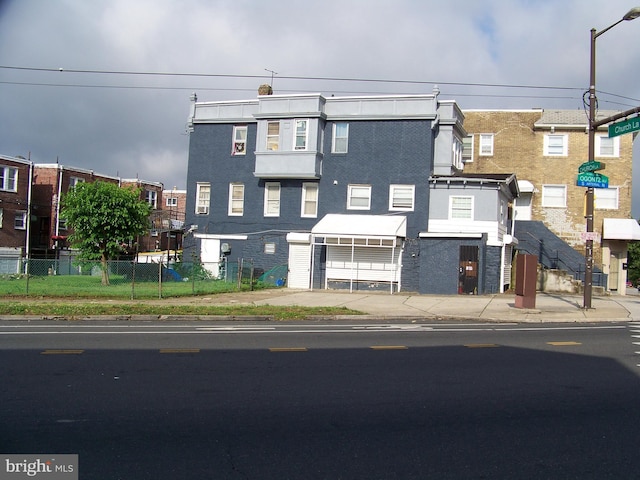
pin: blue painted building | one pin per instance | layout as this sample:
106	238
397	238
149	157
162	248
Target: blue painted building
338	189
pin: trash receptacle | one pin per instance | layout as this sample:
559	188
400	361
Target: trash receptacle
526	281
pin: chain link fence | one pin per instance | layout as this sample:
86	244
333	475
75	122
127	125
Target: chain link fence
68	277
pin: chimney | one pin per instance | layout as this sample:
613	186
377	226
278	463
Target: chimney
265	89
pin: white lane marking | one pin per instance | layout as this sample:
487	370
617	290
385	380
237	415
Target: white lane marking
301	329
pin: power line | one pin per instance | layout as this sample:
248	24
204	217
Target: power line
287	77
297	78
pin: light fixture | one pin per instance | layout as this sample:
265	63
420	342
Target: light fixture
632	14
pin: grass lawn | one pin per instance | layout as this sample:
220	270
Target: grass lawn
65	295
87	286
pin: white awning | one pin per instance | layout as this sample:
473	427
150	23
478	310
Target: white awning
378	226
525	186
620	229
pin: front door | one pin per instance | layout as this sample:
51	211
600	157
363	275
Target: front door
468	270
614	271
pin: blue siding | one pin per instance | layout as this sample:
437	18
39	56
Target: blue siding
380	153
439	264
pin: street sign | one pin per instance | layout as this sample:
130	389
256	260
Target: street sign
591	166
594	180
593	236
626	126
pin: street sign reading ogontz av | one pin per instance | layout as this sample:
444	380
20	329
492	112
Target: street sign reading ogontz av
593	180
626	126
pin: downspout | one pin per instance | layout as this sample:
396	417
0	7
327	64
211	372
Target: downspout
313	255
61	169
27	243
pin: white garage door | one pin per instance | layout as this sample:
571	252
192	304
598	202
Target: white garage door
299	265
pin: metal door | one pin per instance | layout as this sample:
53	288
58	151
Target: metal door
468	270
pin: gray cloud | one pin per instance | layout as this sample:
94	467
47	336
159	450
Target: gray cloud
92	121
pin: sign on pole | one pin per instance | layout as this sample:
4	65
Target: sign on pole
593	180
626	126
591	166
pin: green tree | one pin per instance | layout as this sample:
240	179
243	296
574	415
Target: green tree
103	218
633	263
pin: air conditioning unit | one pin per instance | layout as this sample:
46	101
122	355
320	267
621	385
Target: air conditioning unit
154	233
202	210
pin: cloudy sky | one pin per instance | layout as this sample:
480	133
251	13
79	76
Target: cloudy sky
105	84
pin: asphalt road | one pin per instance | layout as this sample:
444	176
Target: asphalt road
311	401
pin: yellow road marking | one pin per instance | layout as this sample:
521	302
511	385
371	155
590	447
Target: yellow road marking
481	345
179	350
62	352
288	349
563	344
389	347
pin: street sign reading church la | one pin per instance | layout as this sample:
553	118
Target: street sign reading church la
626	126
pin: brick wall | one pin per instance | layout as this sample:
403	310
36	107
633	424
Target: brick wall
519	149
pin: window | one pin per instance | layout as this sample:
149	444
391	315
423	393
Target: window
272	199
401	197
340	140
467	149
607	147
172	202
359	197
1	216
9	179
456	153
236	199
606	198
151	197
203	197
556	145
460	208
239	140
309	200
20	222
554	195
301	134
486	144
273	135
73	181
62	224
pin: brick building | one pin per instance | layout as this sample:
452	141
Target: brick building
15	193
339	191
151	192
545	148
50	183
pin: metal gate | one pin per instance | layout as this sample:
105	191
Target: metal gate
468	272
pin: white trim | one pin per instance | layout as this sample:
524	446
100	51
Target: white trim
565	145
267	185
471	208
303	202
220	236
546	187
489	141
295	134
230	211
449	235
598	147
350	189
334	137
393	188
236	143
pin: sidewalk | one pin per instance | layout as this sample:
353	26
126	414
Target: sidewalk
549	308
501	307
